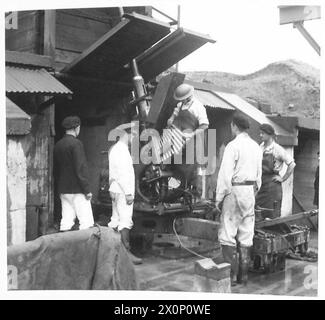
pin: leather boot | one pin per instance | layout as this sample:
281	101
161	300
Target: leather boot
244	259
125	237
230	256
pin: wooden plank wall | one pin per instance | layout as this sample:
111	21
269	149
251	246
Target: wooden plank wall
16	190
306	163
36	149
77	29
27	37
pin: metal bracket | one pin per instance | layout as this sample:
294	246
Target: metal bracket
173	21
300	26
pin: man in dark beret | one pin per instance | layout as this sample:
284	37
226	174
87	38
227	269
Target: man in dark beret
274	159
72	175
238	179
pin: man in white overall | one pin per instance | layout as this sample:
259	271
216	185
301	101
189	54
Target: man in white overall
122	186
239	179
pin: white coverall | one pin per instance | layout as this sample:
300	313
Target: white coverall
75	205
242	162
122	182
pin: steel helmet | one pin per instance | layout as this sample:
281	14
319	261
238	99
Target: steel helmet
183	92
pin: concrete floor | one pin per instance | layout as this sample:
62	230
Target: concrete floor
160	274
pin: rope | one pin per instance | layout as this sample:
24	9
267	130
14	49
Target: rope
183	246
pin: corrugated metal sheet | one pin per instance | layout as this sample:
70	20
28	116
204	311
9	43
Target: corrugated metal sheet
24	80
209	99
251	111
18	122
14	112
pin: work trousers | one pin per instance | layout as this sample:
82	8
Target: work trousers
238	217
121	212
75	205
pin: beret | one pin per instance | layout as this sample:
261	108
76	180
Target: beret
267	128
71	122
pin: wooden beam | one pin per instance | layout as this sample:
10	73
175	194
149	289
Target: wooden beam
25	58
288	219
89	80
45	104
49	34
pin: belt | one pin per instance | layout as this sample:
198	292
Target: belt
244	183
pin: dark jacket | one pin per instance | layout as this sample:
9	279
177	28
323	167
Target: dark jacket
70	166
316	187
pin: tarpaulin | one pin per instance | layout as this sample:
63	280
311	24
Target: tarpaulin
92	259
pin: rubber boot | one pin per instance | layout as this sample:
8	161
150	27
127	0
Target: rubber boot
125	237
244	259
230	256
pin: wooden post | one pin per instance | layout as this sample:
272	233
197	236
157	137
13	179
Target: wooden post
49	50
49	34
178	25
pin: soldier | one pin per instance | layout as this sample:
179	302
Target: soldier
191	118
238	179
189	114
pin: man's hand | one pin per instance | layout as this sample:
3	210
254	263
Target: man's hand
129	199
88	196
188	135
277	178
170	122
112	195
218	205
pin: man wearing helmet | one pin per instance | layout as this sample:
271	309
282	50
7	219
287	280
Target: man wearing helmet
191	118
189	114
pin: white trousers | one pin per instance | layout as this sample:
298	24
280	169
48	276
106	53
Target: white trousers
238	217
121	213
76	206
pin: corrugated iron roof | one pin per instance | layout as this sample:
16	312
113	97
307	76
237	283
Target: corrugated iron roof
14	112
18	122
209	99
25	80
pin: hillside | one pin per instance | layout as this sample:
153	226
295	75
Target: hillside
290	87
